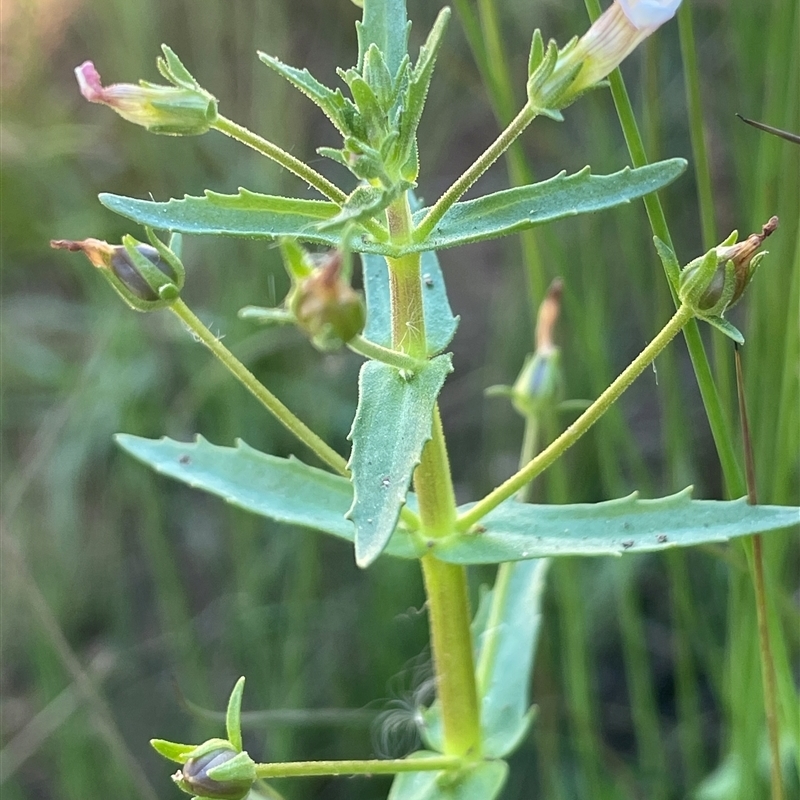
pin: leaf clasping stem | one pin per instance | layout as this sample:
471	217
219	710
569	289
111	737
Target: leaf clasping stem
479	166
581	425
292	423
389	766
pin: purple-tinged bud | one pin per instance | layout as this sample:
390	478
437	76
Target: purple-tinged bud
146	277
326	306
173	110
714	282
219	773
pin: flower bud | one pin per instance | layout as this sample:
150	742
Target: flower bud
715	281
217	771
583	63
146	277
326	306
173	110
538	387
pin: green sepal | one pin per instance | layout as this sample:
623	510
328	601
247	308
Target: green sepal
180	753
240	768
536	54
175	244
138	281
722	325
706	285
233	716
171	256
670	262
296	259
209	745
173	69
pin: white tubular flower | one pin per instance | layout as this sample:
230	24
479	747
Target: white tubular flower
558	77
615	35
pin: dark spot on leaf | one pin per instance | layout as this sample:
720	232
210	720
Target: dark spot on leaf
478	529
627	543
661	538
185	459
429	544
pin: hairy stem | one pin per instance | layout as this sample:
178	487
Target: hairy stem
445	584
581	425
389	766
483	162
323	450
280	156
395	358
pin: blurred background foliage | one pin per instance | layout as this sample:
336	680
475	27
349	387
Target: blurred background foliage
122	593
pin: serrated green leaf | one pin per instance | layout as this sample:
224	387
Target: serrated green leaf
285	490
418	85
245	214
484	781
336	107
506	652
516	531
505	631
513	210
440	324
392	423
385	24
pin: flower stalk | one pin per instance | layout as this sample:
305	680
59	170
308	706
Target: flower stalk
578	428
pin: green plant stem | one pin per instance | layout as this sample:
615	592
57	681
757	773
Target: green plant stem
756	563
280	156
481	164
445	584
705	195
395	358
768	679
580	426
390	766
323	450
720	431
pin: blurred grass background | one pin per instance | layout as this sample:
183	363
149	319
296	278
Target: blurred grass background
118	587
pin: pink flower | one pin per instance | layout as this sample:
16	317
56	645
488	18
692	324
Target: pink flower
175	110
